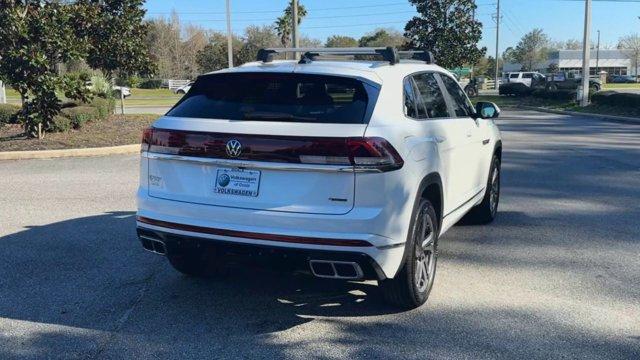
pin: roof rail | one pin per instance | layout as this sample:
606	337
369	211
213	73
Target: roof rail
390	54
421	55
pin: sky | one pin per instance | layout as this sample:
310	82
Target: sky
560	19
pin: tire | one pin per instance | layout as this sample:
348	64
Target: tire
180	92
407	290
594	88
487	210
190	263
552	87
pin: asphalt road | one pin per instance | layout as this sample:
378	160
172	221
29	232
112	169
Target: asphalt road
556	276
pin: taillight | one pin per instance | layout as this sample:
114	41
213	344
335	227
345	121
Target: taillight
373	153
363	153
147	136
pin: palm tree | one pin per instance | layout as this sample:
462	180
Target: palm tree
283	24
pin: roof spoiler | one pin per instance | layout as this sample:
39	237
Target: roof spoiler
390	54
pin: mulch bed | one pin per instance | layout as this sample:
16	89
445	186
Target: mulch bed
116	130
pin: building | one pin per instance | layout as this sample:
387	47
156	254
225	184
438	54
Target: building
614	62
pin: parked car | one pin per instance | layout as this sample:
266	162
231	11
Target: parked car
568	80
623	79
183	89
521	83
348	170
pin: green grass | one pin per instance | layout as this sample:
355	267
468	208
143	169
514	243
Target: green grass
621	86
135	92
12	93
511	101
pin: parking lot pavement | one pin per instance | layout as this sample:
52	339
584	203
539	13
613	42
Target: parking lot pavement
556	276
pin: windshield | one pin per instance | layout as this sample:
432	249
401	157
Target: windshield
278	97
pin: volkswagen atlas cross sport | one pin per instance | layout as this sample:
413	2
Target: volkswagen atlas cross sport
348	164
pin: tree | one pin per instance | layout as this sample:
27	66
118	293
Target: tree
631	43
256	38
163	41
486	66
117	37
446	28
382	37
174	48
284	23
572	44
341	41
214	55
36	37
531	50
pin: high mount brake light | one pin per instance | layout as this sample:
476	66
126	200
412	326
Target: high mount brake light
363	153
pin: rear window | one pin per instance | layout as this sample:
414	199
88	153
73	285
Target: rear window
279	97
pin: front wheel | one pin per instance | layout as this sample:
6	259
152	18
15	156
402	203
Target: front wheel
487	210
411	286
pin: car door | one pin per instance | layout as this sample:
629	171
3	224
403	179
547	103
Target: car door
439	122
474	132
527	79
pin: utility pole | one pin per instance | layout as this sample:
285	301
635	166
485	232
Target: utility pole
229	36
294	27
586	53
598	55
497	43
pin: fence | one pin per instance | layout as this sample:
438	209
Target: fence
174	84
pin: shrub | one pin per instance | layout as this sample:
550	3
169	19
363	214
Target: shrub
79	115
151	84
8	113
104	107
60	123
100	86
612	98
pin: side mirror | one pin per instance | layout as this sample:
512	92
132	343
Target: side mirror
487	110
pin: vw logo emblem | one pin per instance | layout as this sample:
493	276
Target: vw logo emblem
234	148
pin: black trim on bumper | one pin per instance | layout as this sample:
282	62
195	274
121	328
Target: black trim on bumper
273	257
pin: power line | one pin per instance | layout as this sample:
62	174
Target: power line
280	11
311	17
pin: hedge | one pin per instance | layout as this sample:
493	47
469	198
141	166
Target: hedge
612	98
104	107
61	124
151	84
79	115
7	113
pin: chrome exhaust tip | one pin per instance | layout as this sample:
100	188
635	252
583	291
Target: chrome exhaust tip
153	245
344	270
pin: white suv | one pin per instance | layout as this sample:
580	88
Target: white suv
347	169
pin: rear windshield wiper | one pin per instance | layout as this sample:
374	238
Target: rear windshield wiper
275	116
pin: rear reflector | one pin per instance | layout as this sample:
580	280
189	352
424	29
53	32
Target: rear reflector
253	235
360	152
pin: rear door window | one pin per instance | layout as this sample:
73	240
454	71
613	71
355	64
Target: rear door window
431	95
279	97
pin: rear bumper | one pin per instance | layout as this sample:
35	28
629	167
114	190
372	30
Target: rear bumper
259	255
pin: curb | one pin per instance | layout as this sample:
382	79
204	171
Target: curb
62	153
621	119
